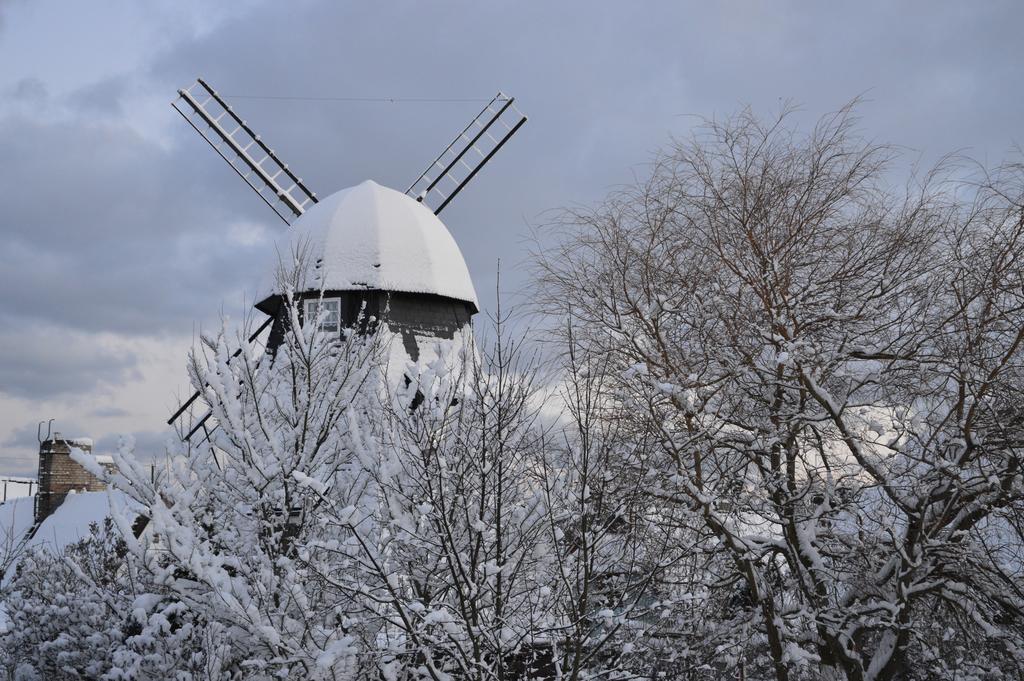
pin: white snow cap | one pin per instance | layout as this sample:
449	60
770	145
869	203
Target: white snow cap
373	237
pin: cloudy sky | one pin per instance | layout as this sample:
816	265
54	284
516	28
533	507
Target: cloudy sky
122	234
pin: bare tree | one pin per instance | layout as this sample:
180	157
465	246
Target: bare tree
442	553
501	538
833	369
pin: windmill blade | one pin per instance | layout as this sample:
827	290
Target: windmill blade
183	411
255	162
203	424
468	153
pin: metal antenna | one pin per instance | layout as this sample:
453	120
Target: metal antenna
468	153
255	162
49	430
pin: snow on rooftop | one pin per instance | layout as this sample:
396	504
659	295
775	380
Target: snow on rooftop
373	237
68	524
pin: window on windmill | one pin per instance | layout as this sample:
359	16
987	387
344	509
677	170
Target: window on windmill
326	312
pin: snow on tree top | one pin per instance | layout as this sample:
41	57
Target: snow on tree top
372	237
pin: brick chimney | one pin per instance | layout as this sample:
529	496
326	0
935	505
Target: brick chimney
59	474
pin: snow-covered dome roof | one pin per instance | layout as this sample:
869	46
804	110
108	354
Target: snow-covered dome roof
372	237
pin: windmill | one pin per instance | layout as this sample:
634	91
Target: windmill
377	248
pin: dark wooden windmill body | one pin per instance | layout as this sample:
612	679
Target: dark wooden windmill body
374	254
412	316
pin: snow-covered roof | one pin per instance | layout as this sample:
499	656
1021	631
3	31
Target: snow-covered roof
370	237
69	523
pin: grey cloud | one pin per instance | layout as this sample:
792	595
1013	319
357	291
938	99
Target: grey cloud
19	462
46	361
149	445
105	231
103	98
29	89
109	412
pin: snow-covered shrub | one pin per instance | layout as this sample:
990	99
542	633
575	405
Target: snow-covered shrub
91	614
228	519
